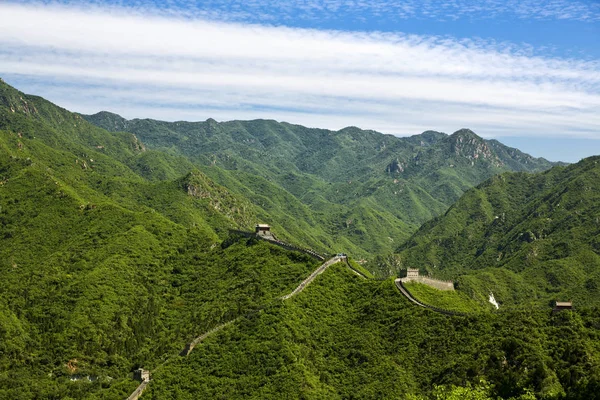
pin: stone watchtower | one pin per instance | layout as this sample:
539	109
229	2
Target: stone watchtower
412	273
562	305
263	230
141	375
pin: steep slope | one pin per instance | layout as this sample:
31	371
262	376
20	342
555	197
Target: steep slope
525	237
346	337
361	190
111	255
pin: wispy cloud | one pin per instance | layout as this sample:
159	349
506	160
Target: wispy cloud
279	10
170	67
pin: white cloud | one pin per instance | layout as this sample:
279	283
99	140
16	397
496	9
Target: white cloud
176	68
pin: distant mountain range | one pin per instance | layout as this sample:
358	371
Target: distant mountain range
352	189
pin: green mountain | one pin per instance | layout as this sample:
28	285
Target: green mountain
115	253
111	255
525	237
349	338
357	190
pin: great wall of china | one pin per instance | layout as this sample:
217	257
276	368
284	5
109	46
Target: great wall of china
400	285
273	240
442	285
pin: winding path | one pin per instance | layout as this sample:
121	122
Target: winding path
138	391
190	346
357	272
273	240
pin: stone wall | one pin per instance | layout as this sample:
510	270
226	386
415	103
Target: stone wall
272	239
190	346
434	283
138	392
408	295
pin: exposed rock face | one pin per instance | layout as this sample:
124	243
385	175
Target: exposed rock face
19	104
198	192
137	144
395	167
465	143
217	198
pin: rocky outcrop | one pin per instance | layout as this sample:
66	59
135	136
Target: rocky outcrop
219	199
395	167
465	143
137	145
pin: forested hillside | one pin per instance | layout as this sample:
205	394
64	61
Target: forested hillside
116	251
349	338
111	255
354	189
525	237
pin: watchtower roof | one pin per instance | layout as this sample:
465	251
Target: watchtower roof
564	304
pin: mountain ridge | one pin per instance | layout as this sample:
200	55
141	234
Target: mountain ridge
539	232
114	122
115	253
359	181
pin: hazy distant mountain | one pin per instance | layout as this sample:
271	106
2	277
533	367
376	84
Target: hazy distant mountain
361	190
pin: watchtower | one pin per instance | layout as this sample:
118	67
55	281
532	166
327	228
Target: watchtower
562	305
263	230
141	375
412	273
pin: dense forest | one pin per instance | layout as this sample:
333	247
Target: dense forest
116	249
531	238
360	190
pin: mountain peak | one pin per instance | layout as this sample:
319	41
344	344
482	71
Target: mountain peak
466	133
466	143
107	114
350	129
108	120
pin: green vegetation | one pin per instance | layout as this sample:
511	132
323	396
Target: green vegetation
447	300
352	189
528	238
346	337
360	269
112	256
115	252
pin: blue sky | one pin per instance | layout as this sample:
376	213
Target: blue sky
524	72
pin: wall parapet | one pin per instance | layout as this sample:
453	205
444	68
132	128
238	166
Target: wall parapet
434	283
138	392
